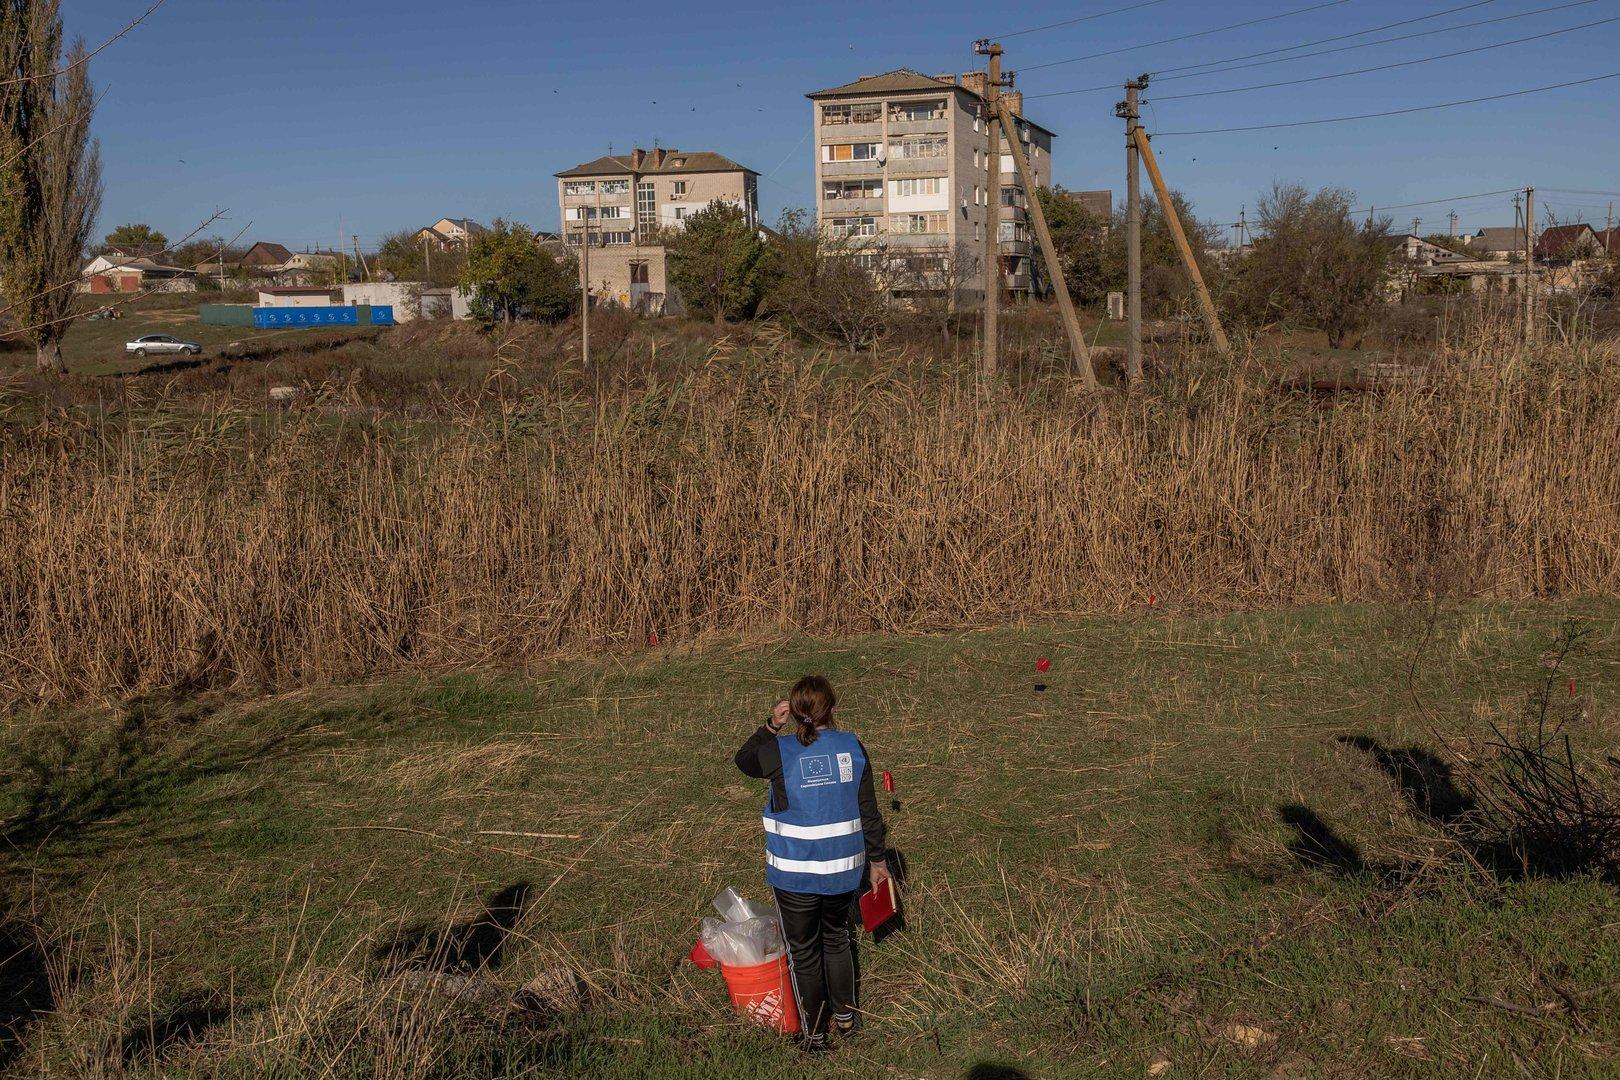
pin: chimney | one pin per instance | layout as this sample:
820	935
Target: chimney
949	78
637	156
974	81
658	157
1014	100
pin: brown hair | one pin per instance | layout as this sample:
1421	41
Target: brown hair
811	703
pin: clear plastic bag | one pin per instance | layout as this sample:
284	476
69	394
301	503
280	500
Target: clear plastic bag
754	937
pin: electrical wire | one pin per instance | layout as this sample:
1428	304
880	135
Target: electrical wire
1187	37
1231	61
1436	202
1581	191
1079	19
1396	112
1387	67
1328	40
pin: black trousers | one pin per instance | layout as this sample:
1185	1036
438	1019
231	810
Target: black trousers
821	954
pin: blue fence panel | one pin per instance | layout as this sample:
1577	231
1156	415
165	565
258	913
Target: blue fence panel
268	317
382	315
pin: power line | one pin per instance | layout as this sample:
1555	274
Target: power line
1079	19
1186	37
1436	202
1328	40
1166	74
1396	112
1388	67
1582	191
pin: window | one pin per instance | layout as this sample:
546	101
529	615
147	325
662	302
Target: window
1011	231
679	163
931	146
680	213
646	205
615	187
903	111
852	226
868	113
917	223
919	185
638	273
680	187
978	195
578	187
978	230
591	213
853	189
866	151
615	238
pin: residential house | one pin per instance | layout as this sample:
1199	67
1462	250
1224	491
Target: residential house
1099	204
1609	240
112	274
448	233
1499	242
902	159
264	258
294	296
1566	243
625	203
1417	251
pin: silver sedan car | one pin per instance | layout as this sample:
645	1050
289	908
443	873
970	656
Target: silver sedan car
161	345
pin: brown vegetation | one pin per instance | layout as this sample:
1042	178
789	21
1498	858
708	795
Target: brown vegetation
766	490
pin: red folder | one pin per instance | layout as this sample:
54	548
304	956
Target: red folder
878	906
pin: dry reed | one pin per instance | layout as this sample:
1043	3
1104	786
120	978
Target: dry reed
765	493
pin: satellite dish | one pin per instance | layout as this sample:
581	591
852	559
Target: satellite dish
882	153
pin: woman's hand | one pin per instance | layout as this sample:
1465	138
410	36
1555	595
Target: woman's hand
779	716
879	870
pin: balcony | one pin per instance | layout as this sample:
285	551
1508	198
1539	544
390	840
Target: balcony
920	166
852	207
843	133
869	169
1013	213
1015	247
920	127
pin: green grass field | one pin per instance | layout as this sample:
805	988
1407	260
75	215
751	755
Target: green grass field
1168	862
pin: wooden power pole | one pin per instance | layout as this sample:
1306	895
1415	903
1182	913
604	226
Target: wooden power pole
992	228
1071	322
1130	111
1211	320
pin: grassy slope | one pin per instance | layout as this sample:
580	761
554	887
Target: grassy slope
1102	873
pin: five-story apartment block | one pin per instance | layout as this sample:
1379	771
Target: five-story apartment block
626	203
902	160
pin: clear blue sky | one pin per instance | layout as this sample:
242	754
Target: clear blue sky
368	117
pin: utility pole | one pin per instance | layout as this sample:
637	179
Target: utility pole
1167	206
1529	264
1415	223
992	229
1130	111
1071	322
585	281
1451	229
361	259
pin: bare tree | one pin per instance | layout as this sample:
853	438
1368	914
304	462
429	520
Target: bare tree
938	285
50	172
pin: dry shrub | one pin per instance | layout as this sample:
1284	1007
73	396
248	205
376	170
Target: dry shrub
762	493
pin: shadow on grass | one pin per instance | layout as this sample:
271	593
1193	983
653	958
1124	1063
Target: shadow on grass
1423	778
25	987
995	1070
147	1042
476	944
1316	844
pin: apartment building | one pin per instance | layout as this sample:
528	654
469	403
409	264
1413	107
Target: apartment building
902	159
626	203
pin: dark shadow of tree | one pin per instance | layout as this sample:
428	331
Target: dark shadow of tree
1316	844
25	986
150	1039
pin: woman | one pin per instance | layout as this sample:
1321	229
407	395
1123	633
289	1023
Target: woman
823	833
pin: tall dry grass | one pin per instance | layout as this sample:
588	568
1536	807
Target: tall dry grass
764	492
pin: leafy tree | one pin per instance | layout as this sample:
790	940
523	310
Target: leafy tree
136	240
1081	240
50	173
1311	266
510	277
821	287
714	262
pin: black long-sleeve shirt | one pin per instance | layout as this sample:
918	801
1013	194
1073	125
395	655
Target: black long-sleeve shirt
761	758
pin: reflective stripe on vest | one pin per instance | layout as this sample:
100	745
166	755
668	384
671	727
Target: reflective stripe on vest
816	845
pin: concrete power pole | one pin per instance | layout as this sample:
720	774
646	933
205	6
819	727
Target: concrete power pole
1130	110
992	229
1529	265
1451	227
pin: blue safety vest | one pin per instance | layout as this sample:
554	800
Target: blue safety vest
816	845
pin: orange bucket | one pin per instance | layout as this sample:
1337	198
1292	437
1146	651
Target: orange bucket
764	994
